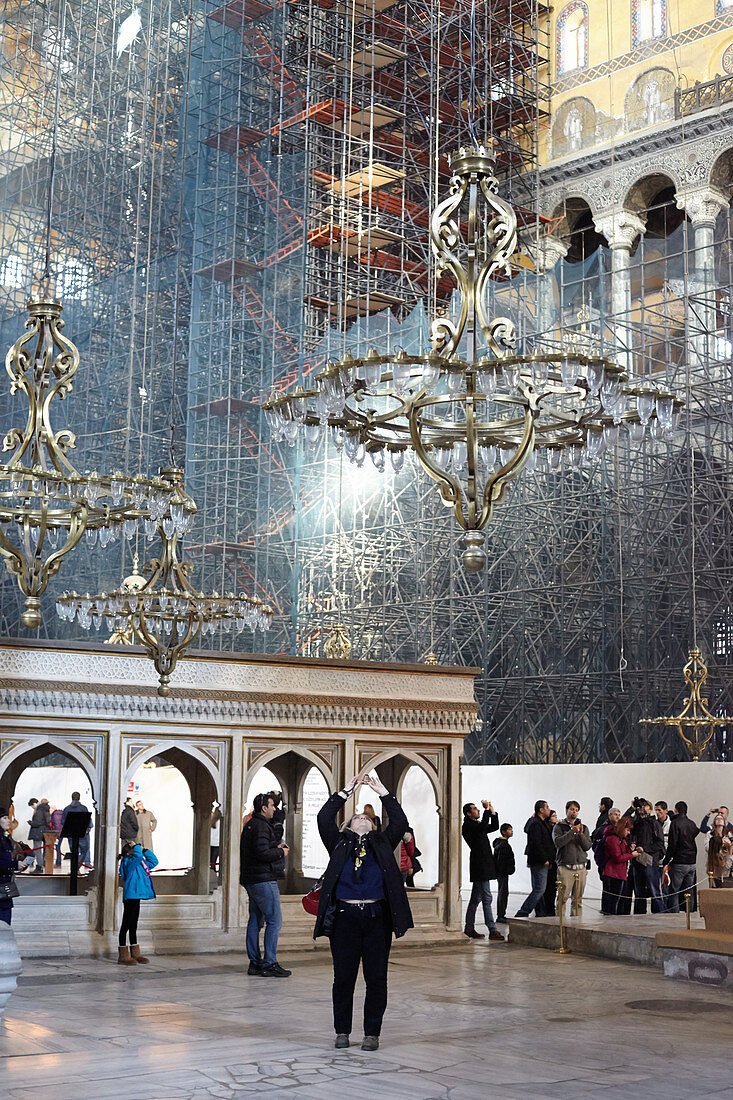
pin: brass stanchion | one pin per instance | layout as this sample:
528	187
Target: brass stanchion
687	909
711	878
575	893
562	949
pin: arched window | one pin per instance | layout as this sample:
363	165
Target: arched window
571	32
648	20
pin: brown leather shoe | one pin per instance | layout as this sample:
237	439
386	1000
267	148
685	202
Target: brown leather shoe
496	936
135	952
123	957
474	935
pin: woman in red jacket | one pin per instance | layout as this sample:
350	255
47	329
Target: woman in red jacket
618	854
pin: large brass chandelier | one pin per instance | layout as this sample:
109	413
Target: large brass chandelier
474	413
46	505
165	614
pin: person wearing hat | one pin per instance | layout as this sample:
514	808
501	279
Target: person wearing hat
8	865
363	901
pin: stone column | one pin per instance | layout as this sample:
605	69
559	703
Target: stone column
621	228
545	252
10	964
702	206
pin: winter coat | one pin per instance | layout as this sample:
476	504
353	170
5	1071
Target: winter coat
571	848
40	823
407	850
504	857
8	862
128	824
618	856
146	825
342	846
540	847
260	858
681	847
135	874
57	818
76	808
481	863
648	834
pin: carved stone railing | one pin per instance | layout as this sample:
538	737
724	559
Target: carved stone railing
711	93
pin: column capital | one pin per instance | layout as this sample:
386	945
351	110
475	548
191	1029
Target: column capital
702	204
545	251
620	228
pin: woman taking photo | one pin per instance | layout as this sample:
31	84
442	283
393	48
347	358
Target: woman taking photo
363	901
618	854
136	864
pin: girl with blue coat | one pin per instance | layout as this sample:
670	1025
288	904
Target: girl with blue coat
137	885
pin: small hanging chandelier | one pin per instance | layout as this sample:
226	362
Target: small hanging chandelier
166	614
474	413
695	724
46	505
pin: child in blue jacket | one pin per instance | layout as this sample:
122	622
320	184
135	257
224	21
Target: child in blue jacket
137	885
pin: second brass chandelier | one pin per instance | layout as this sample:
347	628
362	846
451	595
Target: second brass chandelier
474	413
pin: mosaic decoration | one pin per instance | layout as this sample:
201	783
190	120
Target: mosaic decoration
727	59
723	6
653	11
649	49
560	36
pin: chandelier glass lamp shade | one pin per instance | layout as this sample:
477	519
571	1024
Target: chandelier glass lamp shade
46	505
473	411
695	723
165	614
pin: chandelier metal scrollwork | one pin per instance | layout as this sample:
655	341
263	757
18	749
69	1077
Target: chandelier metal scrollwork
695	723
166	614
46	505
474	413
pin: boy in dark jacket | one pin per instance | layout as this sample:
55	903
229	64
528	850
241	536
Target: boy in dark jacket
262	854
505	866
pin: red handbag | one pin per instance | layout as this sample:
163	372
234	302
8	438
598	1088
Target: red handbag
312	898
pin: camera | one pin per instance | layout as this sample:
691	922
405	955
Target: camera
638	802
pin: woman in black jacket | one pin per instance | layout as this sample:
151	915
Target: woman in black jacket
8	865
363	901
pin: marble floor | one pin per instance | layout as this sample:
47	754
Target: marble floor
466	1022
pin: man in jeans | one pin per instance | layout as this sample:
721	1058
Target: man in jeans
262	863
482	867
572	842
540	851
682	855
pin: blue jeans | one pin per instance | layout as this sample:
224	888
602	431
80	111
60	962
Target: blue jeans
647	883
84	853
681	881
264	908
536	896
480	891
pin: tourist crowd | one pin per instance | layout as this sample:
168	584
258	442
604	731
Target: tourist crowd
646	855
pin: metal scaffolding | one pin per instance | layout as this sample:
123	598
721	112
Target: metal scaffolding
316	144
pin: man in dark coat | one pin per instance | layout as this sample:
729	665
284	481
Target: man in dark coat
363	901
40	824
128	823
540	852
481	866
682	855
262	854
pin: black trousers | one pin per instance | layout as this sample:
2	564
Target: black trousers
502	895
360	937
130	915
548	901
614	896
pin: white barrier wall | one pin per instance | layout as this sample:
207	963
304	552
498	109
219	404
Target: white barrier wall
514	789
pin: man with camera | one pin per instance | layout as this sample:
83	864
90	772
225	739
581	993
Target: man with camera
572	843
482	866
262	854
647	837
